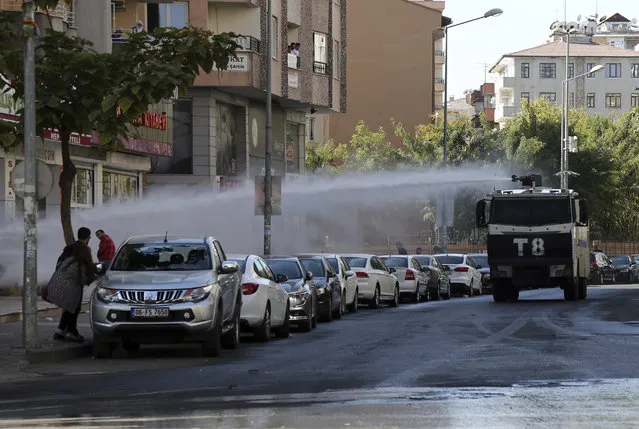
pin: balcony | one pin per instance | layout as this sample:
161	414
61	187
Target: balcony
489	113
439	84
247	3
507	82
509	111
61	11
440	56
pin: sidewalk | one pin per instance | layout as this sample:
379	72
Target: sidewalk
11	307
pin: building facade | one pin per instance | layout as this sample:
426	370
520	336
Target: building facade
539	72
391	64
219	136
103	176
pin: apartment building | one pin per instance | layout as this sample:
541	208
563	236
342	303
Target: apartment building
483	102
539	71
395	67
219	131
617	31
103	176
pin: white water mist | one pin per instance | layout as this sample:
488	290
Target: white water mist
200	211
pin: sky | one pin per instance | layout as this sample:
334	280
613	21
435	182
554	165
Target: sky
523	24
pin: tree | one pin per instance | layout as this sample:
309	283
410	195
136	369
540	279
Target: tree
81	90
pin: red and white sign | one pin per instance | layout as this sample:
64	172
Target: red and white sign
76	139
156	121
148	147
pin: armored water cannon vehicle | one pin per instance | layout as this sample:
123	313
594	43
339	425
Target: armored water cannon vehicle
537	238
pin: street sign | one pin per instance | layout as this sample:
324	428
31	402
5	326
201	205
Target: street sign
276	195
44	180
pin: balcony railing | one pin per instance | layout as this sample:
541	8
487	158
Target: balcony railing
439	80
248	43
320	68
60	11
439	53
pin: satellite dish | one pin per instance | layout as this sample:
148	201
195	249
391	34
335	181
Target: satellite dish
602	19
555	25
572	26
634	21
578	17
44	182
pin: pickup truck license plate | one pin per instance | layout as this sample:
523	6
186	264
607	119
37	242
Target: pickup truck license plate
150	313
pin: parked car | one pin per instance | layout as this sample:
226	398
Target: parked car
375	281
481	262
329	288
464	276
602	269
265	303
439	282
626	270
346	277
160	289
413	281
302	294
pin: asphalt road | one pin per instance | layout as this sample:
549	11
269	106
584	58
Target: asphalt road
541	362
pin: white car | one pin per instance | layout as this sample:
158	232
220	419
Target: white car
465	278
265	303
375	282
346	277
413	281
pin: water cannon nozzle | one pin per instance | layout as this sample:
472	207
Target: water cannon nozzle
529	180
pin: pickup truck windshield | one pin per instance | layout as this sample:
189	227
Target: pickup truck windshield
530	211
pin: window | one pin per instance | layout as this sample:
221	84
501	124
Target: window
613	100
319	53
634	100
571	70
590	100
547	70
274	38
613	70
337	57
589	67
571	99
530	211
163	257
549	96
311	129
525	70
119	187
634	70
165	15
525	96
82	188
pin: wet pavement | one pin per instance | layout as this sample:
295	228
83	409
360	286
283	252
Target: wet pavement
464	363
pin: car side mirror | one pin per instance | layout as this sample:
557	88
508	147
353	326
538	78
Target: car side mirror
349	273
229	268
309	276
281	278
99	268
392	270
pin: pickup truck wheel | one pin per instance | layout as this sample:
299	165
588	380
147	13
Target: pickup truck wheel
284	331
263	331
231	339
212	346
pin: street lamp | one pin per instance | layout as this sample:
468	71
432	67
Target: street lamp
564	173
442	33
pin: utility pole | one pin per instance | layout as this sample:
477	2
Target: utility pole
30	281
268	183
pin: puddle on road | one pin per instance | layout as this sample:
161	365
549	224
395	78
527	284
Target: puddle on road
538	404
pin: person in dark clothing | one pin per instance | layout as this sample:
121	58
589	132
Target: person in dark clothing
68	327
418	251
401	249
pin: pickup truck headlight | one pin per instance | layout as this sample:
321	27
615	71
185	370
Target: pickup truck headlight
107	295
197	294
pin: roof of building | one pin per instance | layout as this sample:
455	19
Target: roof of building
577	49
617	17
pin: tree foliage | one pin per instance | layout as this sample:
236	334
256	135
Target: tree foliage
81	90
607	160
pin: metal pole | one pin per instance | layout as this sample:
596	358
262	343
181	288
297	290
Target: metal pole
268	188
444	220
566	107
30	281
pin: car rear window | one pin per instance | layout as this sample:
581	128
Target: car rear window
334	264
355	262
315	266
424	261
395	262
290	269
451	259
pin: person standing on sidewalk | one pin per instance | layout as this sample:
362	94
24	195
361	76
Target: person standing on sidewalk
106	250
74	270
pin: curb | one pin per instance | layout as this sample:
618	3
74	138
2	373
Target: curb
47	312
58	354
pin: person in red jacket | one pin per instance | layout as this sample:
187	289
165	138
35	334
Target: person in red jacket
106	251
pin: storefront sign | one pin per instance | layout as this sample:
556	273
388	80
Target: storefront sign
148	147
239	64
290	153
76	139
9	165
230	183
157	121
